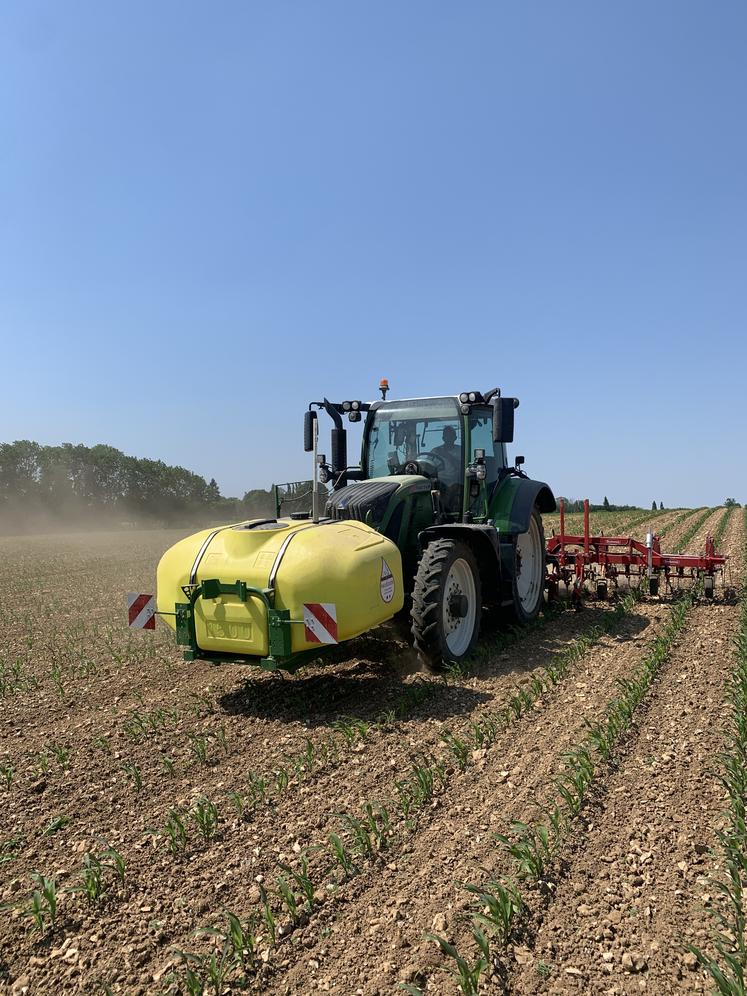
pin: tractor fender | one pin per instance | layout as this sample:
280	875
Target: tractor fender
512	503
482	538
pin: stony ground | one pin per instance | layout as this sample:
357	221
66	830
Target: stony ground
108	740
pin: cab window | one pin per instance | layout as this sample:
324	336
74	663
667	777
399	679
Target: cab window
481	438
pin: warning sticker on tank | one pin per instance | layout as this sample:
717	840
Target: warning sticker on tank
387	582
320	622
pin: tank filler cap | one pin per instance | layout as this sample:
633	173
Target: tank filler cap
263	524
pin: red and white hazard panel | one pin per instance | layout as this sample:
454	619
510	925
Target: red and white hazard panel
141	610
320	622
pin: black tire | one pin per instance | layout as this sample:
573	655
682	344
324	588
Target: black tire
602	591
524	609
653	586
442	563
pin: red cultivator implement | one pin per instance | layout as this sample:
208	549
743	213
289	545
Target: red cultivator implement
603	560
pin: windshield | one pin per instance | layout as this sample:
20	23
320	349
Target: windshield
402	431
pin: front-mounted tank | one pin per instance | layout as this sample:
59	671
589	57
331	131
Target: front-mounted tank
278	590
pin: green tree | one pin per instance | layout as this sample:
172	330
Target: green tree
732	503
606	502
653	506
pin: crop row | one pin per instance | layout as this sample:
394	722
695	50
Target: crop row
678	521
691	530
532	849
728	966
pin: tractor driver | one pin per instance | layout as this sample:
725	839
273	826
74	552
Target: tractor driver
450	469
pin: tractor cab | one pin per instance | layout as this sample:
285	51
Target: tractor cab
425	463
435	439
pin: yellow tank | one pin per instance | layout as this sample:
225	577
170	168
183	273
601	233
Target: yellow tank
336	579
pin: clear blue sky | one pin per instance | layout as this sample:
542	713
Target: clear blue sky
212	213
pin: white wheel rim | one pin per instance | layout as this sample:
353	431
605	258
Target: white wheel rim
458	629
529	561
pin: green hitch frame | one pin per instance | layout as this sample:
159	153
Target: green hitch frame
278	624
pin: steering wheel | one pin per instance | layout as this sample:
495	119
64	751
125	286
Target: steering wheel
433	456
421	464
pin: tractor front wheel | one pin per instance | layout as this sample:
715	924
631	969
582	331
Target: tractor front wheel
446	603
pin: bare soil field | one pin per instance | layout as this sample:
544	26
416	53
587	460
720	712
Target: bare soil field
338	814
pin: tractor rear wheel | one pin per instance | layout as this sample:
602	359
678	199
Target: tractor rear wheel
528	582
446	603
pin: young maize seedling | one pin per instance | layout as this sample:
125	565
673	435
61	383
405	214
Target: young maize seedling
6	773
198	746
404	797
57	680
210	970
530	852
268	916
205	816
112	860
308	757
499	906
362	843
467	973
56	823
258	787
302	880
459	748
516	705
10	847
340	854
238	801
281	779
477	733
42	762
168	765
175	831
289	898
424	782
220	736
201	704
94	882
601	739
42	906
133	772
61	755
103	745
345	727
239	939
377	823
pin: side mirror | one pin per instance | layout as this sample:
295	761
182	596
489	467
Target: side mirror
309	418
519	462
503	419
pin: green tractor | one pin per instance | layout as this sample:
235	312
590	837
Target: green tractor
432	522
435	480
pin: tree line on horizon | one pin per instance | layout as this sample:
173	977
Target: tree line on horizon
101	485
